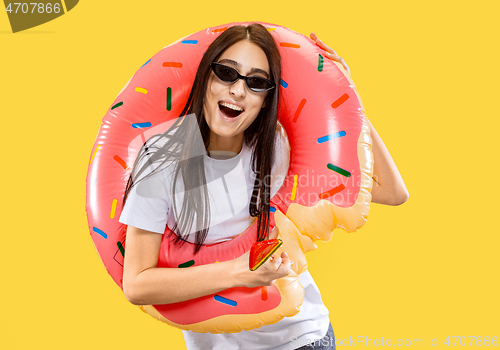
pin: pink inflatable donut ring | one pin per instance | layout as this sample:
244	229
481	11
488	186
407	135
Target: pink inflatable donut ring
328	183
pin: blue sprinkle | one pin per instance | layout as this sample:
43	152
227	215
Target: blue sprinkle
283	83
224	300
189	42
272	210
146	63
331	136
141	125
95	229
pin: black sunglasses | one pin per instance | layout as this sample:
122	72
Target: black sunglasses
230	75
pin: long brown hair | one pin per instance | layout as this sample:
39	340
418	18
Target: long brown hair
260	136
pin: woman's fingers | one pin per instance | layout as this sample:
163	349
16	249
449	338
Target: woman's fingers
282	262
286	262
274	233
274	262
275	267
322	44
340	60
330	53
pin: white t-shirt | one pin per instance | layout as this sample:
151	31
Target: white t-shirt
230	183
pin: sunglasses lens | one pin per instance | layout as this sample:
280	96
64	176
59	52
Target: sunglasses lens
226	74
230	75
258	84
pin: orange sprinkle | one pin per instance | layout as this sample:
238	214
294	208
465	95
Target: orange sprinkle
121	162
340	100
299	109
295	46
263	293
219	30
331	192
172	64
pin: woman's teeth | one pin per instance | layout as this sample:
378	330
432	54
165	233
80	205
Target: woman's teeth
228	105
230	110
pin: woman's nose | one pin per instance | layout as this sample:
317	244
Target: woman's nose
238	88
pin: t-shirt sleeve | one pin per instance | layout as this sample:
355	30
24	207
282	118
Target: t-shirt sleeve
148	203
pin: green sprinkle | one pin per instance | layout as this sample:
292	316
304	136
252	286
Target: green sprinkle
169	99
187	264
120	246
117	105
339	170
320	63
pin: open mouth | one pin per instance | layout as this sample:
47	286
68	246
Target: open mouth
230	110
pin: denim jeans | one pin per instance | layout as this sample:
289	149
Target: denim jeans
325	343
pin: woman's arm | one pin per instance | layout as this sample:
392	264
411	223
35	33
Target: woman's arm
146	284
388	185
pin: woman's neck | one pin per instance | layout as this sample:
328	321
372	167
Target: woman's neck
225	144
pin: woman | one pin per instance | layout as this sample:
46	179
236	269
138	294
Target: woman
235	115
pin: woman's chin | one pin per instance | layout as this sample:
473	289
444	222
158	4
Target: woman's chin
223	131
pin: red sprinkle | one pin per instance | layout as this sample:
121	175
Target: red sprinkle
263	293
295	46
340	100
219	30
121	162
172	64
299	109
331	192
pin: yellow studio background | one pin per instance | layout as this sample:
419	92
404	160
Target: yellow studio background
428	75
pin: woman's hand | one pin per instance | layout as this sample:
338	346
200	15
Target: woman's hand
144	283
330	53
275	267
388	187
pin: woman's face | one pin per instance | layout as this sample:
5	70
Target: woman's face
230	108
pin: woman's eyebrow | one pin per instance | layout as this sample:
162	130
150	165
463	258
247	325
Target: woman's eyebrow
237	65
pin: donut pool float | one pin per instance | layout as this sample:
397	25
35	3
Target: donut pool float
327	186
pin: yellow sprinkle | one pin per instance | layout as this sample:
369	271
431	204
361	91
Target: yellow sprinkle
113	209
95	151
294	189
269	29
139	89
217	261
